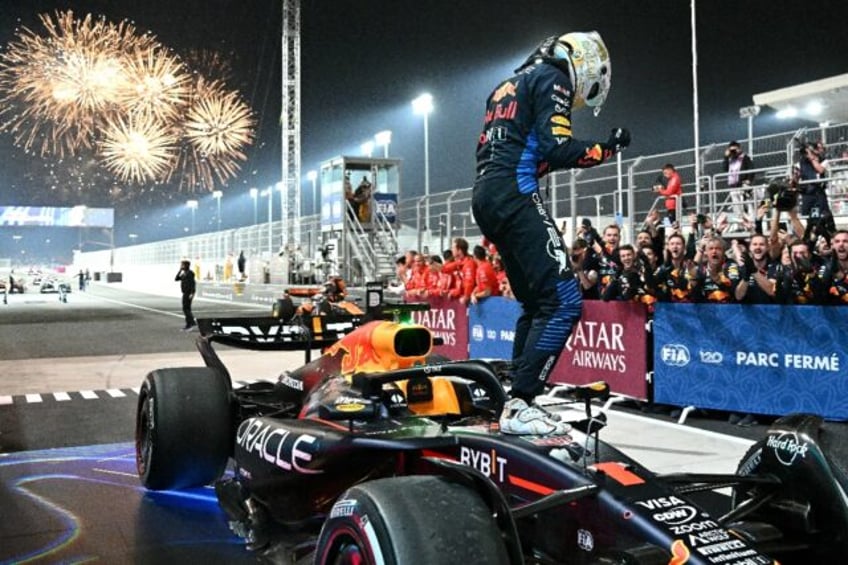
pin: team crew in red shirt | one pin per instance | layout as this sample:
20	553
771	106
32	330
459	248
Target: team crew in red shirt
486	280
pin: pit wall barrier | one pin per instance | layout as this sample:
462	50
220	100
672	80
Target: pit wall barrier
766	359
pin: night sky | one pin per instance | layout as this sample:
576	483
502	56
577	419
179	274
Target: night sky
363	61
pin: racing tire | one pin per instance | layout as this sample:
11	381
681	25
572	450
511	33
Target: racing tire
833	441
184	433
416	519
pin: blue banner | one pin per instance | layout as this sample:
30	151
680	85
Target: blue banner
755	359
491	327
387	205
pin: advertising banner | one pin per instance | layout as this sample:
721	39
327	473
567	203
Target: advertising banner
766	359
76	217
609	343
448	320
491	325
387	205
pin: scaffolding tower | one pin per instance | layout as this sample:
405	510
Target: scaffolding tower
290	118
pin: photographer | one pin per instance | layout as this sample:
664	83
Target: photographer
784	198
810	173
735	164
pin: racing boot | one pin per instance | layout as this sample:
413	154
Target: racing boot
519	418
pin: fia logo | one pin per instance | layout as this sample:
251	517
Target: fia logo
675	355
585	540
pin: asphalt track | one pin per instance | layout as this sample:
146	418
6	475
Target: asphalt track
69	377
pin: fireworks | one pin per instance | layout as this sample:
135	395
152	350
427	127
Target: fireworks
89	84
139	149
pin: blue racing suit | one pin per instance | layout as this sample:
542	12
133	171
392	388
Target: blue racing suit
526	134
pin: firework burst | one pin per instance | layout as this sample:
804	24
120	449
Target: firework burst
139	149
88	86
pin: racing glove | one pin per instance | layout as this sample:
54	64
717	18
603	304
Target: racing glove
619	139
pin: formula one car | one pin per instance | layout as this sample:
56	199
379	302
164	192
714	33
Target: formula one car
378	452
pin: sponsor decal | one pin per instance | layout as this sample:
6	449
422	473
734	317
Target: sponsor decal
751	464
502	112
562	121
278	446
679	553
487	462
559	130
504	90
559	100
585	540
661	502
562	90
477	332
708	537
789	360
712	357
787	448
676	516
497	133
343	508
479	393
675	355
684	529
551	441
440	321
290	382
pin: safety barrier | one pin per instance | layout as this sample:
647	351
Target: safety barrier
766	359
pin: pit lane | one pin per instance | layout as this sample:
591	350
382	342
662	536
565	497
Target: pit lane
69	374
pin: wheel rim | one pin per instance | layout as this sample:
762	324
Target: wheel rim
143	443
350	554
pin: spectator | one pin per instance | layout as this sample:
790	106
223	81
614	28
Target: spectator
672	277
584	265
832	277
608	262
81	277
628	283
465	268
527	133
714	278
672	190
485	279
736	163
757	272
185	276
228	268
797	282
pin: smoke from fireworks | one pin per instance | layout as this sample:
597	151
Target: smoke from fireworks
92	85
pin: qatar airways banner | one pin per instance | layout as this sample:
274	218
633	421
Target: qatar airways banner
609	343
768	359
448	320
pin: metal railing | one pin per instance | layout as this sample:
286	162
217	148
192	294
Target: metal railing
592	193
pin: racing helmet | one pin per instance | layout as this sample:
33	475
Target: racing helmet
588	65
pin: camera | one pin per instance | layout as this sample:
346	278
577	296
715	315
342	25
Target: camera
783	196
702	219
804	145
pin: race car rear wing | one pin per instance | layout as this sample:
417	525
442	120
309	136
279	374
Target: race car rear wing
271	334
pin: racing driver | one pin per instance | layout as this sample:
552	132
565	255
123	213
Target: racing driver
527	134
